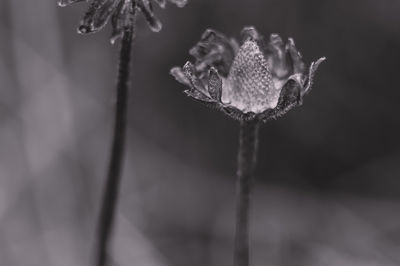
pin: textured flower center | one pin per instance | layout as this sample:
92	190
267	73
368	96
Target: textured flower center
249	85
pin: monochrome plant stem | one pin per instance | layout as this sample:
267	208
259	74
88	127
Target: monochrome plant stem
111	187
247	157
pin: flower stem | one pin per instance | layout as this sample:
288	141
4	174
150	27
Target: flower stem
111	188
247	156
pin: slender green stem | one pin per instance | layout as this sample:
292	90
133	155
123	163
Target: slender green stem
111	187
247	157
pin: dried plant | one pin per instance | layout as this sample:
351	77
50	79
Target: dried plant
252	82
122	14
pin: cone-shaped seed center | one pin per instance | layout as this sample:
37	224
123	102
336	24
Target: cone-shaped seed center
249	85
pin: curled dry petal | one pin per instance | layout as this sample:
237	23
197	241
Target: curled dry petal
313	69
250	33
214	49
180	76
195	82
295	57
97	15
290	97
147	9
198	96
201	96
214	84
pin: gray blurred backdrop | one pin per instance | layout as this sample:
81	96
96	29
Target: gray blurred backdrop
327	183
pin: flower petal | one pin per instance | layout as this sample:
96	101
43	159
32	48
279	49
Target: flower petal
97	16
276	56
294	56
180	76
197	95
214	49
290	97
195	83
187	77
147	9
313	68
251	33
214	84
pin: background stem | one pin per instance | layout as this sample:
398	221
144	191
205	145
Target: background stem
111	187
247	156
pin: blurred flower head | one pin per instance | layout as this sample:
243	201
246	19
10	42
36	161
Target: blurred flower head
122	14
259	79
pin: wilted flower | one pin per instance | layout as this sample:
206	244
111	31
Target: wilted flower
257	80
122	14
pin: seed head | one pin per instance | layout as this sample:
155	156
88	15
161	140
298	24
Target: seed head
257	79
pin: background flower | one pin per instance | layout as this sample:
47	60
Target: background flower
121	13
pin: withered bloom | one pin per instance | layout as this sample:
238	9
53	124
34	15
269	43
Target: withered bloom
259	79
122	14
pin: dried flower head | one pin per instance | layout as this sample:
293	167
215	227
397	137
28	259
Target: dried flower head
257	80
122	14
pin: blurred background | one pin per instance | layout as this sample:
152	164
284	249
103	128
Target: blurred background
327	183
